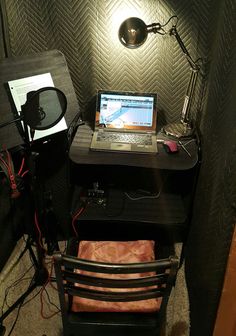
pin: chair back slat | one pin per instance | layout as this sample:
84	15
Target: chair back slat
101	267
95	281
114	296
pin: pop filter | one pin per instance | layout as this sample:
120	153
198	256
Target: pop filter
44	108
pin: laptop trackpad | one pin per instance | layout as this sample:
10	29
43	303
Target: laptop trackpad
120	146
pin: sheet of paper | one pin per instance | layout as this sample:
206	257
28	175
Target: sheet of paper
19	89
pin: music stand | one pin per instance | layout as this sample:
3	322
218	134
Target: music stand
43	109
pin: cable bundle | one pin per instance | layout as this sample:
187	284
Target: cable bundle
15	179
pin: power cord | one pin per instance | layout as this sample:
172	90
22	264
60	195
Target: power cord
16	319
3	329
147	196
143	197
14	284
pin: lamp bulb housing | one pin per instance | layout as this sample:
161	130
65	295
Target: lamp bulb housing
133	32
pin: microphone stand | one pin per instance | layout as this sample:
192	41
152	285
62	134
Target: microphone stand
32	114
41	275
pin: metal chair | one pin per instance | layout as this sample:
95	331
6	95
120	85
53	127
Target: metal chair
106	298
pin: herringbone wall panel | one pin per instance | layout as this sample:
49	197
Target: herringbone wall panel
86	32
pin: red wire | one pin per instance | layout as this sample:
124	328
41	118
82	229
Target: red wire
5	163
38	229
21	166
25	172
75	217
10	173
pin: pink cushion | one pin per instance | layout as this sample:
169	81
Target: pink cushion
116	252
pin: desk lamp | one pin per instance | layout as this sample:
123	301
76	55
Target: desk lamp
133	33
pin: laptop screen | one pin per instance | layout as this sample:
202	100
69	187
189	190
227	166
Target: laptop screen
126	110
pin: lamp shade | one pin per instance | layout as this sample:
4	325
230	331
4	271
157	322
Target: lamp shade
133	32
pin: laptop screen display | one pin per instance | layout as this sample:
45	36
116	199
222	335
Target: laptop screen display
126	110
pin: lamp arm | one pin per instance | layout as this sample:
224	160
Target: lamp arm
191	62
184	128
194	68
188	99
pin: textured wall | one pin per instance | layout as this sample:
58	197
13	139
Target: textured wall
86	32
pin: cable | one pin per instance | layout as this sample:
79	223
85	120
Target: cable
148	197
39	231
18	313
16	319
143	197
25	172
33	297
157	28
52	303
7	166
21	166
42	306
75	217
11	175
49	278
172	17
14	284
20	173
41	298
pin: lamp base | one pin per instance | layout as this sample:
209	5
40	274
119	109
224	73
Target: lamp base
178	130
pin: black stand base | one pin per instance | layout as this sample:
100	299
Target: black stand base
40	278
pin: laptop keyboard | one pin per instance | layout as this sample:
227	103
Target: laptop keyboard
126	138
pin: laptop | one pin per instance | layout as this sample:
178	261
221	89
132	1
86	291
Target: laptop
125	122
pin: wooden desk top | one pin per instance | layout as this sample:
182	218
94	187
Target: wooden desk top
80	153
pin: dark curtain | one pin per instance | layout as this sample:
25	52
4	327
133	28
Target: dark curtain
4	36
214	214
